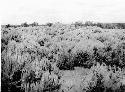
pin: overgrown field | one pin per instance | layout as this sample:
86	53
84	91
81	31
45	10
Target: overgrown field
62	58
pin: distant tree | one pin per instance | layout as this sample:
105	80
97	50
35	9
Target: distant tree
99	25
7	26
78	24
121	25
49	24
34	24
88	23
24	24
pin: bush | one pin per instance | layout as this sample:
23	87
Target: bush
7	26
34	24
78	24
89	23
49	24
24	24
61	58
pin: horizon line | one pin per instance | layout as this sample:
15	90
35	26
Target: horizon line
60	22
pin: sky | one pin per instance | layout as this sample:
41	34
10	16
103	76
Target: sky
64	11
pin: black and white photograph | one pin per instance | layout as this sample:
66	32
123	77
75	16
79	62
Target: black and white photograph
62	45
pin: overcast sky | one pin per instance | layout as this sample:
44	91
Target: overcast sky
66	11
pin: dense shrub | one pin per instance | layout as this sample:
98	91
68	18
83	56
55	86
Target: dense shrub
34	24
24	24
63	58
49	24
8	25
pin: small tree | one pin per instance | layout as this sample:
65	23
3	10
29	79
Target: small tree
24	24
78	24
49	24
34	24
88	23
8	25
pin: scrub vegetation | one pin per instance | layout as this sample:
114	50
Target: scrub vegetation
58	57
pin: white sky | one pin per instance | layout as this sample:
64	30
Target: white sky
66	11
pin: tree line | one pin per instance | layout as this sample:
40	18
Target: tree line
76	24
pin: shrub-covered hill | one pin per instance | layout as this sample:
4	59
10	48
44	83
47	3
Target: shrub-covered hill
62	58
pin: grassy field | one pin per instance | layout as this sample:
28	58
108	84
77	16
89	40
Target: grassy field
62	58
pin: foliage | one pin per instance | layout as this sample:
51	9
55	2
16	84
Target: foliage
88	23
78	24
24	24
8	25
49	24
34	24
61	58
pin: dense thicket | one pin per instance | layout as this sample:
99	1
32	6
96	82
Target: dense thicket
76	24
62	58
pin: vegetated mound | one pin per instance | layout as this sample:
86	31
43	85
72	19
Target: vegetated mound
62	58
